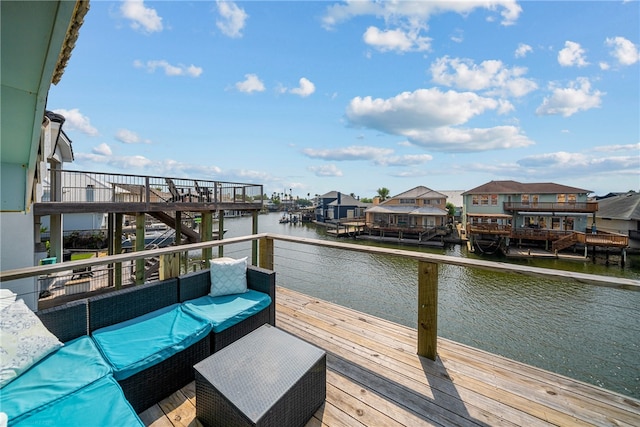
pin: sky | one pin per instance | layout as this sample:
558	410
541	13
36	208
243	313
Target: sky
307	97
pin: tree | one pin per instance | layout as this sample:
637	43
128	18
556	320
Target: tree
451	209
383	193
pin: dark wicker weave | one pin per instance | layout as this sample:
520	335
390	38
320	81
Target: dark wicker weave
125	304
267	378
198	284
150	386
67	321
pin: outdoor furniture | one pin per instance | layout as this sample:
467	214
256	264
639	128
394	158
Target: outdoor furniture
266	378
204	193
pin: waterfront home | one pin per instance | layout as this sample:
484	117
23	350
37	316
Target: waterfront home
501	213
335	206
620	214
418	213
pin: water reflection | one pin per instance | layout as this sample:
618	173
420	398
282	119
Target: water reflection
586	332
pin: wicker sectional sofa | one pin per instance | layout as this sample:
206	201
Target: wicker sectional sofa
126	350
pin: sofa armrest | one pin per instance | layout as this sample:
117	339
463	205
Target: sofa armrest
67	321
263	280
125	304
194	285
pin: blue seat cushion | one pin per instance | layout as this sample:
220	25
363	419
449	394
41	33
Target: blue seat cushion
227	310
99	404
63	372
144	341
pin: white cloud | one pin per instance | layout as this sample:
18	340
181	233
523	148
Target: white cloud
523	50
618	147
142	18
411	112
233	19
573	55
305	89
354	152
603	65
74	120
169	70
563	164
405	160
102	150
325	170
623	50
415	14
396	40
129	137
490	75
578	96
251	84
429	118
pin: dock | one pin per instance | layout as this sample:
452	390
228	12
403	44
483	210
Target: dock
375	378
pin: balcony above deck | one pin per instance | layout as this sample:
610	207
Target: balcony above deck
556	207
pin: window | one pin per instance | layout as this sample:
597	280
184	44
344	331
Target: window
475	200
484	200
407	201
525	199
534	199
562	198
494	200
572	198
90	195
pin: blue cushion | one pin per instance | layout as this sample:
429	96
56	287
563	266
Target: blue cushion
63	372
147	340
227	310
99	404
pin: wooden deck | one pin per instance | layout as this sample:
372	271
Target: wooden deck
374	378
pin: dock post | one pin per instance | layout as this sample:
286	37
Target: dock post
427	309
266	253
117	249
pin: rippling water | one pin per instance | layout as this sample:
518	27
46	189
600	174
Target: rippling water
586	332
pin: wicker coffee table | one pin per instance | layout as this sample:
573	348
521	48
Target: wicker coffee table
266	378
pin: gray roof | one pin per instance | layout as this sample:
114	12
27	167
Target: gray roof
419	192
625	207
514	187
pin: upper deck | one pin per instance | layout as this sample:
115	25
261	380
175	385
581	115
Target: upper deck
88	192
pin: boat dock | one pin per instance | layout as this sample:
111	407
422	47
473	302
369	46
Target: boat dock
375	378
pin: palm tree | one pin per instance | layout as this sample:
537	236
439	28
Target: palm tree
383	193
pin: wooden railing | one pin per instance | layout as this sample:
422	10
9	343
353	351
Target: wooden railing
584	207
263	254
82	191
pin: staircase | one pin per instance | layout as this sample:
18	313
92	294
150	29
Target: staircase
191	235
565	242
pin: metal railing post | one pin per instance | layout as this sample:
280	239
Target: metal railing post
427	309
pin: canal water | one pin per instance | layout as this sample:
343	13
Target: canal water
585	332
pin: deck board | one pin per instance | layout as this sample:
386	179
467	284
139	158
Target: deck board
374	378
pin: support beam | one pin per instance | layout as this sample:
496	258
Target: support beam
254	243
117	249
266	253
140	223
220	232
427	309
206	235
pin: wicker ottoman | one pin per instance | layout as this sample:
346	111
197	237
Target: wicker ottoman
266	378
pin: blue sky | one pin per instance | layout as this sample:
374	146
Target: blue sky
354	96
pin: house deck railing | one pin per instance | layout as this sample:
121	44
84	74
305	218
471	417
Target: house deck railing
80	191
571	207
263	254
